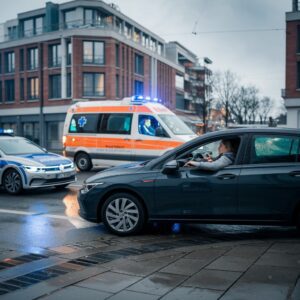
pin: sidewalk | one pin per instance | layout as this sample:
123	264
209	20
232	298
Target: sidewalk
157	268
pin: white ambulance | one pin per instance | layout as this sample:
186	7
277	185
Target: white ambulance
109	133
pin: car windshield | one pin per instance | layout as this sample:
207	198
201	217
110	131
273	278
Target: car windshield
15	146
177	126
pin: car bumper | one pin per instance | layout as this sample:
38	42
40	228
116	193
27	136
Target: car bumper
49	179
89	205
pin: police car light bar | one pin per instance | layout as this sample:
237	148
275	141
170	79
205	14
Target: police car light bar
138	99
6	131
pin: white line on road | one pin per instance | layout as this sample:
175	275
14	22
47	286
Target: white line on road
75	221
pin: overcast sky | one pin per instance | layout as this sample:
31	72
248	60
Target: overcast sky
257	57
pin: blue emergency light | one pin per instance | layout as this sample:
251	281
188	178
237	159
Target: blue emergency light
6	131
138	100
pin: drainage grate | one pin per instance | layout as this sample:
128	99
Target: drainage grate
12	262
83	262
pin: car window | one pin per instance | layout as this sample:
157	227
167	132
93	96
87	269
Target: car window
18	146
148	125
84	123
116	124
274	149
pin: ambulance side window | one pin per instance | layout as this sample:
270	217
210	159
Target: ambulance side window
148	125
84	123
116	124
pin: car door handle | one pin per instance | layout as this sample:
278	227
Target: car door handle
295	173
226	176
126	139
138	140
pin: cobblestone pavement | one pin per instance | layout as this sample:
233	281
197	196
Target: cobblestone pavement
157	266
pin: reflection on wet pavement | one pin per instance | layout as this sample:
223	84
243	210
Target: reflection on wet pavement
71	203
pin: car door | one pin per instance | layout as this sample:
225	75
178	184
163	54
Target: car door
115	141
269	185
149	141
190	193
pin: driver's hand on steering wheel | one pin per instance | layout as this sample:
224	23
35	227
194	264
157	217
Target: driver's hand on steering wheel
191	163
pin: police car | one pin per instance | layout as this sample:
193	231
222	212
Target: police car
24	165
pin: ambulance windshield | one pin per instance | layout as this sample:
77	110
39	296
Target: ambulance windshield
177	126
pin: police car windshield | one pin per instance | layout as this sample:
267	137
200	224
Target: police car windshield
17	146
177	126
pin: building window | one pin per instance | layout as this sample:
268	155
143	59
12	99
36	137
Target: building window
28	28
33	26
69	53
298	75
55	55
54	87
39	25
93	84
0	63
10	62
139	64
117	86
33	88
12	33
93	53
138	87
33	58
117	55
179	81
22	93
71	19
69	85
10	90
1	97
31	131
92	17
21	65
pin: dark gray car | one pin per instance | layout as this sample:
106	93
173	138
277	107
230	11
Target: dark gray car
262	186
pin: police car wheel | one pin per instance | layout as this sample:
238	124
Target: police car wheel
12	182
83	162
123	214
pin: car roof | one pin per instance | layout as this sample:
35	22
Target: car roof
259	130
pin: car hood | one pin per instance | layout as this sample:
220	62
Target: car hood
43	159
119	170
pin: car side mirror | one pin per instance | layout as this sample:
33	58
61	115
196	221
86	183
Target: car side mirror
170	167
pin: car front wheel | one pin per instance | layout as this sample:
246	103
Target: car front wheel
12	182
123	214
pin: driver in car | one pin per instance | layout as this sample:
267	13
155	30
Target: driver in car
225	158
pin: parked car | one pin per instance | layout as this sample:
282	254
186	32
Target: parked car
262	186
25	165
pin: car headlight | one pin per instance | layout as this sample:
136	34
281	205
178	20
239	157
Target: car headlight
88	186
33	169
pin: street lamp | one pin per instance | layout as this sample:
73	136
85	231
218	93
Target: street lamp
206	61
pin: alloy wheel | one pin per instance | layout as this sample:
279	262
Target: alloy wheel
13	182
122	214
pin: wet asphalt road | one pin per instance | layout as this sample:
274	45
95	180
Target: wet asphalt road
49	218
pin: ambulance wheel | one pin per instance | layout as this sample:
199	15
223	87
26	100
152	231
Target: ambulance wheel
83	162
12	182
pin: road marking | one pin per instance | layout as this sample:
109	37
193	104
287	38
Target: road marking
75	221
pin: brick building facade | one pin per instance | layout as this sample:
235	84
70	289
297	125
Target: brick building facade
291	93
79	50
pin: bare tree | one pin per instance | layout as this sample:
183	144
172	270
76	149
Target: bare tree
225	85
265	106
253	103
